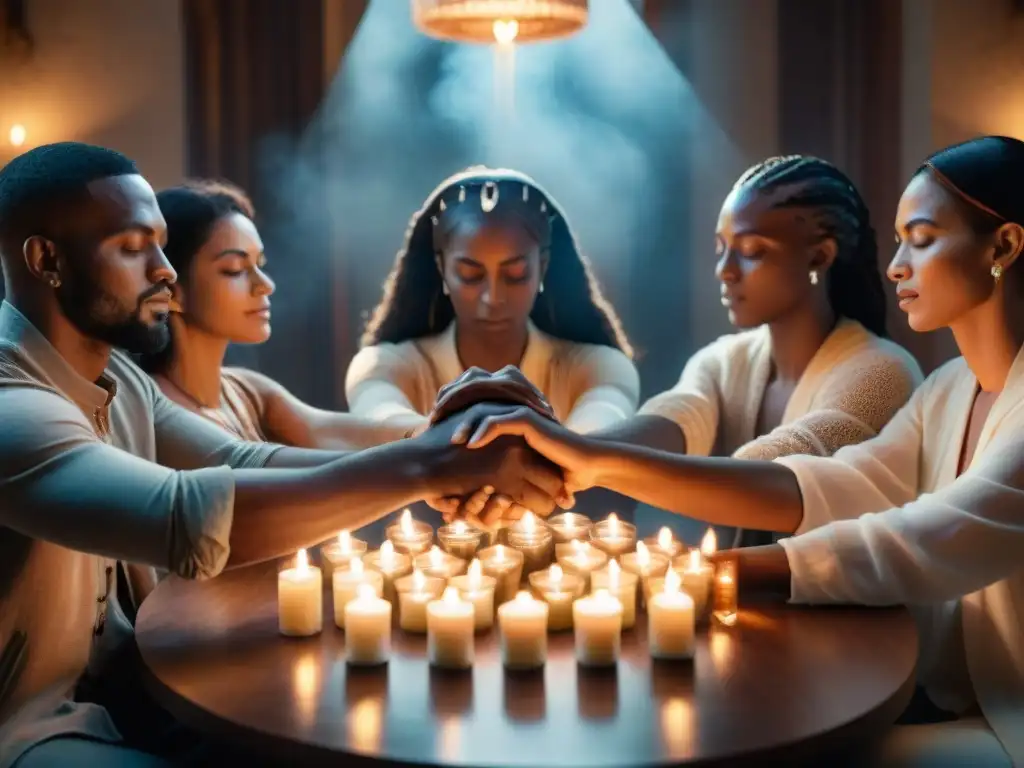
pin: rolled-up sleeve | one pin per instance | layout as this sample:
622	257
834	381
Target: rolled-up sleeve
606	388
61	484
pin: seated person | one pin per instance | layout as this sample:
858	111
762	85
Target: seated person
97	466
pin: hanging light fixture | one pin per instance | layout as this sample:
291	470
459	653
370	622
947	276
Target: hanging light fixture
499	21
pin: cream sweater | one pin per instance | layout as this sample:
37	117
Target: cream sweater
589	386
909	531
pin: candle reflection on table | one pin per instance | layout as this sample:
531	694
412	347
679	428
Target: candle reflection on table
677	718
524	695
597	692
306	687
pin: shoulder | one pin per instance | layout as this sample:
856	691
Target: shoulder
870	353
132	381
388	360
743	345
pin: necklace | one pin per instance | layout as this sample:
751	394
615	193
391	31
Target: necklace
214	414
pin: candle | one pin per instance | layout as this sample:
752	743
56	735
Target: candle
696	574
408	536
440	564
338	553
523	627
670	621
725	593
346	586
646	565
391	565
478	590
460	540
583	559
621	585
506	565
559	590
598	624
613	536
450	631
570	526
665	543
414	593
533	538
367	624
300	599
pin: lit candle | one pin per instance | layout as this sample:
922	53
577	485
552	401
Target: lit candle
450	631
410	537
460	540
583	559
570	526
646	565
725	601
439	563
665	543
506	565
621	585
300	599
338	553
597	619
414	593
479	590
346	584
367	628
523	626
696	574
613	536
391	565
533	538
670	618
559	590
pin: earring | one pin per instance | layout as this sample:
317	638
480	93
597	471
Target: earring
444	287
997	272
541	289
54	281
814	277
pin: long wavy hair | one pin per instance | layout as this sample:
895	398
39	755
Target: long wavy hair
571	307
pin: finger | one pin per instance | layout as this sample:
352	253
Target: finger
535	499
516	512
544	475
461	433
448	505
475	504
493	427
495	508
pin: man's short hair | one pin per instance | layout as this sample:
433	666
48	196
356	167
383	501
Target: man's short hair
40	185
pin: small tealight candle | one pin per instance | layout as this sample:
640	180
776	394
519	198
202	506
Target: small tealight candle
621	585
300	599
367	628
414	593
559	590
664	543
440	564
613	536
479	590
346	585
725	599
391	565
583	559
450	631
670	621
598	626
523	626
338	553
570	526
408	536
533	538
696	574
460	540
646	565
506	565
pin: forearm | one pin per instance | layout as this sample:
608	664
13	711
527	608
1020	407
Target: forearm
345	432
651	431
720	491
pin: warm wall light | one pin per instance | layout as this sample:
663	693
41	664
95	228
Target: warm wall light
501	21
17	135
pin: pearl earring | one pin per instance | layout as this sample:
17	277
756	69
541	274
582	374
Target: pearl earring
54	281
814	277
997	272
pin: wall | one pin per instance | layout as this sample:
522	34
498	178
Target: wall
108	72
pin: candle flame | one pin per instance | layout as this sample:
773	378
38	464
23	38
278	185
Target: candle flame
529	522
614	574
613	524
672	581
302	561
405	524
356	565
522	596
604	596
419	581
459	527
451	596
505	31
725	578
709	544
696	559
18	134
387	554
436	557
366	592
665	539
643	555
345	541
475	572
555	575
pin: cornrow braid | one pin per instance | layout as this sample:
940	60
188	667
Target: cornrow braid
854	281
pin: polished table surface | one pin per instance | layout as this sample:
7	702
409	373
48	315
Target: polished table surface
783	684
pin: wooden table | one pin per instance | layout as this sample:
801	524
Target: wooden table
782	686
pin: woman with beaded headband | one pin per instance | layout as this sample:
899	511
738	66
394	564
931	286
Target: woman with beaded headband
928	514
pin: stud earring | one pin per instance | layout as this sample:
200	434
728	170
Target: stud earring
997	272
444	287
54	281
541	288
814	277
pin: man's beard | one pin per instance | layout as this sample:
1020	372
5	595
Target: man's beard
103	317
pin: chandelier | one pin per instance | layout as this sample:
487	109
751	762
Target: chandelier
499	21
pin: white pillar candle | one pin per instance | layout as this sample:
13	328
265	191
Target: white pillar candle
439	564
597	622
613	536
300	599
696	574
391	565
670	632
506	565
621	585
346	583
559	590
367	628
408	536
339	553
645	564
582	559
664	543
414	593
523	626
478	590
450	631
